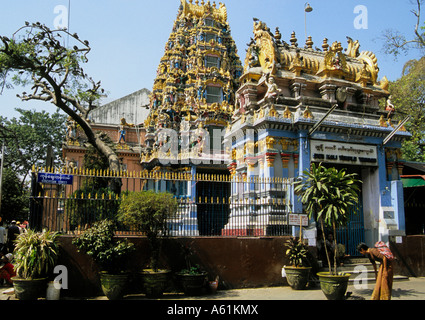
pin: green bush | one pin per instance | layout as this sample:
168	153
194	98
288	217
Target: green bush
100	243
148	211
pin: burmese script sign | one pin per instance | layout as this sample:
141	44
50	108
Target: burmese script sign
344	153
53	178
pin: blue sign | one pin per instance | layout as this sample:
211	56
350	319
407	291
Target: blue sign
53	178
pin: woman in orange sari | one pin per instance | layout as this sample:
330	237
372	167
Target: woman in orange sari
384	277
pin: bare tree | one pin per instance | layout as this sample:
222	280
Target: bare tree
396	43
35	57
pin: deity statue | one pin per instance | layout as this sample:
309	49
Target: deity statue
390	108
272	90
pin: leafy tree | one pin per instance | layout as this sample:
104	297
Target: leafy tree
408	92
148	211
408	97
35	57
328	194
28	137
100	243
14	203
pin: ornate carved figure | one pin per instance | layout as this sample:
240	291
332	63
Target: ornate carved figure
198	73
272	90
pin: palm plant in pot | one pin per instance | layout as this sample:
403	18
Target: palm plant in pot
148	212
100	243
298	273
329	194
35	257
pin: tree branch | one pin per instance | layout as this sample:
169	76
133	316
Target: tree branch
57	77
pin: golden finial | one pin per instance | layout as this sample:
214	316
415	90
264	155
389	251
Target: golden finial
287	113
309	43
325	44
277	35
293	40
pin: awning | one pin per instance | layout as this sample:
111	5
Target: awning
411	181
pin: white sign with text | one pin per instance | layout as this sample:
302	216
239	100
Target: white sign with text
343	153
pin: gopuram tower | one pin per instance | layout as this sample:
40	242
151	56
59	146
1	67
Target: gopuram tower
194	91
191	105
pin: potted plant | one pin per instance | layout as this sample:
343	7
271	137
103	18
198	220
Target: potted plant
35	256
100	243
328	194
148	212
192	278
298	273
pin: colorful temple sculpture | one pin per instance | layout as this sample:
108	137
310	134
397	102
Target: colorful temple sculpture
302	104
193	92
192	101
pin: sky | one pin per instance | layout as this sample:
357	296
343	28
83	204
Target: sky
128	37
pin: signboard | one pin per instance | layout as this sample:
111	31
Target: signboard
343	153
294	219
53	178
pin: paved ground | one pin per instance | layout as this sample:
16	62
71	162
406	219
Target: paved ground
412	289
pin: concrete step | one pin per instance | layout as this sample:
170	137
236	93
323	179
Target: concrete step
371	279
361	269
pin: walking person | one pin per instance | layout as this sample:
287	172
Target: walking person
384	277
12	233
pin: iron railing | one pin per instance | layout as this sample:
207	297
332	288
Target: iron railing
208	204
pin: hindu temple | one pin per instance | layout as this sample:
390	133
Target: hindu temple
299	104
263	123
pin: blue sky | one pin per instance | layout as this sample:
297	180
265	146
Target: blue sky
128	37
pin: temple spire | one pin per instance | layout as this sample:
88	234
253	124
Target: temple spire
198	74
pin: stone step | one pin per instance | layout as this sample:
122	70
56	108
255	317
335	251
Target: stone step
356	260
362	271
371	279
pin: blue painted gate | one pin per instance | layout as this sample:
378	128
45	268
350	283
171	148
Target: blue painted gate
353	234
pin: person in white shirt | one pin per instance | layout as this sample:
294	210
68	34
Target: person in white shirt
3	238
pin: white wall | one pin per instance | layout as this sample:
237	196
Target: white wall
129	107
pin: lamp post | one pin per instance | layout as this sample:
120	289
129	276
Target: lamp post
307	8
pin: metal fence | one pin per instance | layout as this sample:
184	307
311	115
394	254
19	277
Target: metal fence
69	200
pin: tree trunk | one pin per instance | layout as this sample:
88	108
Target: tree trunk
335	249
96	141
326	249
